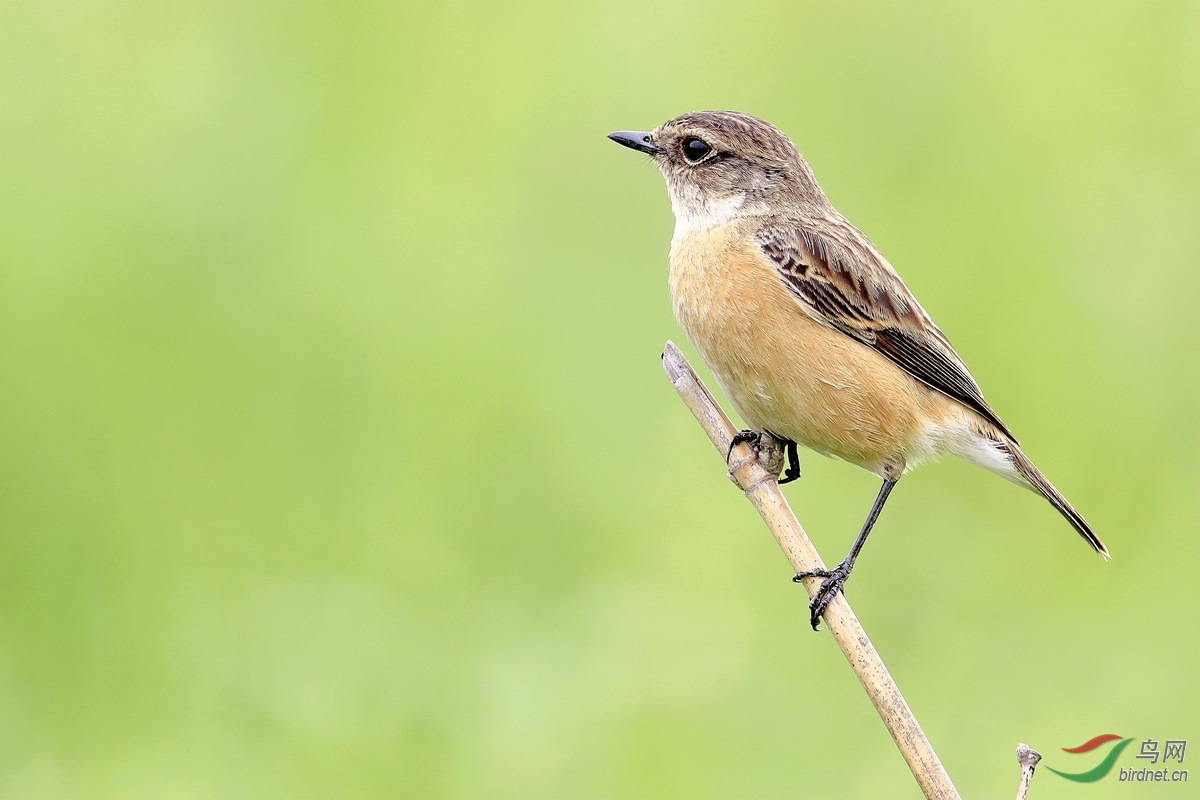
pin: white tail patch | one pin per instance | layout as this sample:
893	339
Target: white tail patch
960	438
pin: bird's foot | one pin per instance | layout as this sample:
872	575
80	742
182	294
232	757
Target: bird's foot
773	453
747	436
834	579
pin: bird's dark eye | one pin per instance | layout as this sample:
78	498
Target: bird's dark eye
695	149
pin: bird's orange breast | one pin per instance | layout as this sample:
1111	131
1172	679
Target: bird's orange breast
786	371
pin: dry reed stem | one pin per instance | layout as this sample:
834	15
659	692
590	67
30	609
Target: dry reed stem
1028	759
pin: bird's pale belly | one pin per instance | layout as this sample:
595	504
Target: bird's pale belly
788	373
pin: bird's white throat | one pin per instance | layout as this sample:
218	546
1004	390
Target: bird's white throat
695	214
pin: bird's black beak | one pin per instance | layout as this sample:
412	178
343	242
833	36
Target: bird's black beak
637	140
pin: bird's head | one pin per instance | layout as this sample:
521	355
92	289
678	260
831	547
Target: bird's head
720	165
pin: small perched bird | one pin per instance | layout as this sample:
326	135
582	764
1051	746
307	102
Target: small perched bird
807	327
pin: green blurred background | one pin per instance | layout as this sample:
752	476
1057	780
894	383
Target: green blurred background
336	458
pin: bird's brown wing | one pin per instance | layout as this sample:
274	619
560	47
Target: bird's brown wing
839	275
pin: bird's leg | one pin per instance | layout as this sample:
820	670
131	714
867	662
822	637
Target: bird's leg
834	578
793	469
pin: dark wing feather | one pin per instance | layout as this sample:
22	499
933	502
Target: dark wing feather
839	275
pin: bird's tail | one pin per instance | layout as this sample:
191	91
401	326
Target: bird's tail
1044	487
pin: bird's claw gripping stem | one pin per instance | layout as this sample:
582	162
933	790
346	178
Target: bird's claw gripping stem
834	580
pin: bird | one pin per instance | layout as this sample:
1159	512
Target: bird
808	329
